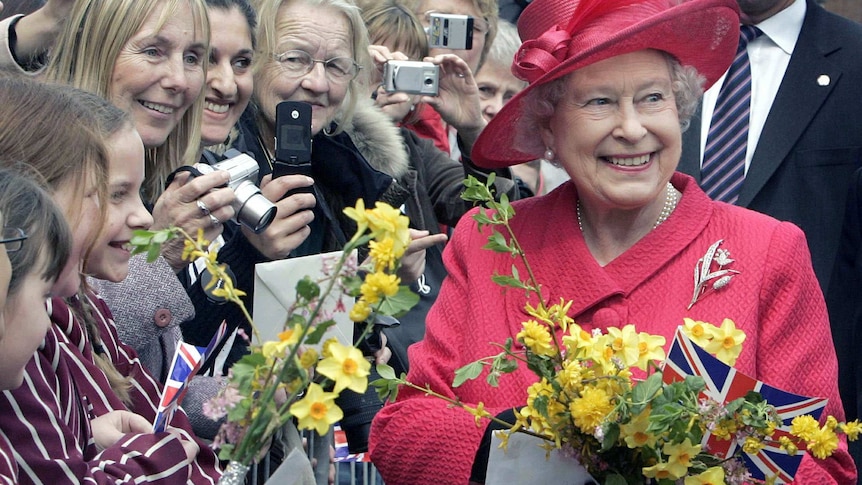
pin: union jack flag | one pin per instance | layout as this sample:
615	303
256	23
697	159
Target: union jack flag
724	384
187	360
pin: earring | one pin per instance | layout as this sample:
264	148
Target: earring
549	155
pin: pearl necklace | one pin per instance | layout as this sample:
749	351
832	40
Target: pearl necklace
670	202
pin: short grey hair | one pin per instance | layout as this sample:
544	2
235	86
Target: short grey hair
539	104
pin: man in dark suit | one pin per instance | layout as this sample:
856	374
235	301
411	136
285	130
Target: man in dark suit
811	141
805	142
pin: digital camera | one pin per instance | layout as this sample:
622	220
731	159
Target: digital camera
411	77
450	31
253	210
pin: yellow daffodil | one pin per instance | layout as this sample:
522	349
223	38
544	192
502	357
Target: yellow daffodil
275	349
635	432
316	410
378	285
591	408
324	351
696	331
712	476
679	457
308	358
658	471
536	337
650	348
347	367
291	335
577	341
726	342
624	343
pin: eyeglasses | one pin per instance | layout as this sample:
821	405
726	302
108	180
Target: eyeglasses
13	238
300	63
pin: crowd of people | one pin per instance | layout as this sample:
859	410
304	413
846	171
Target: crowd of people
597	117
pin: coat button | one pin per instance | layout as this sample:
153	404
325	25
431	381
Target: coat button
163	317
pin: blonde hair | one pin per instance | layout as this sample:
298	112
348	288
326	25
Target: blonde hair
85	55
267	44
61	142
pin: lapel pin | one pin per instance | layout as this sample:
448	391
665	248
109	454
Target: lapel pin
823	80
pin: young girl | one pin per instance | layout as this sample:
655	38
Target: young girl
83	371
34	248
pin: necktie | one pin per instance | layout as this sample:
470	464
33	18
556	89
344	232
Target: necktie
724	155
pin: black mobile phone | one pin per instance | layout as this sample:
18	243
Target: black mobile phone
292	141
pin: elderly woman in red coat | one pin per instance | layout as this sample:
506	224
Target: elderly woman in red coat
612	85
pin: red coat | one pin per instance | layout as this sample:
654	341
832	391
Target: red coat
775	299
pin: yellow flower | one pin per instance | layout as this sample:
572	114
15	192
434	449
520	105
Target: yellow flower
358	214
822	443
478	412
387	221
635	432
275	350
347	367
624	342
788	445
377	285
577	340
570	376
696	331
326	345
291	335
679	457
712	476
591	408
383	254
650	348
804	426
360	311
852	429
308	358
658	471
536	337
726	343
317	409
752	445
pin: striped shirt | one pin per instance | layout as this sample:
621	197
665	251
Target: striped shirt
48	417
8	467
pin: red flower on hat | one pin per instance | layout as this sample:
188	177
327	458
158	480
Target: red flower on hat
538	56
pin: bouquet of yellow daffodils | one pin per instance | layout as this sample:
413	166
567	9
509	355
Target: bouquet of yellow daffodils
285	379
587	404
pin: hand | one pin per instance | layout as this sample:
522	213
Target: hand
396	105
413	261
290	227
383	355
38	31
111	427
182	204
458	100
189	446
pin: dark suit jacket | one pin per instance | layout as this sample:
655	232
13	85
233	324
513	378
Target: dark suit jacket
812	140
844	300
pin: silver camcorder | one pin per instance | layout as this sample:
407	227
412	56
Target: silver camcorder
450	31
411	77
253	210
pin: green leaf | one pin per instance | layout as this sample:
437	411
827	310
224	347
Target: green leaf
505	280
153	252
611	436
386	371
317	332
399	304
468	372
644	391
161	237
307	289
615	479
497	243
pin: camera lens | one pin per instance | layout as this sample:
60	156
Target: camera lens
253	209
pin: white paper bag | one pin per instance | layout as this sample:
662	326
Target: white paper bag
524	462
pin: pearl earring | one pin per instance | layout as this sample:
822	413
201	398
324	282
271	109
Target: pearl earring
549	155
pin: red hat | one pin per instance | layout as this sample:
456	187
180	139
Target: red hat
561	36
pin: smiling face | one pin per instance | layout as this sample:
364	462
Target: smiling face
229	82
159	73
27	322
616	130
322	32
109	257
